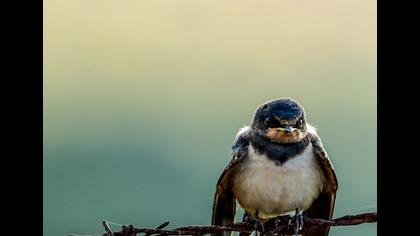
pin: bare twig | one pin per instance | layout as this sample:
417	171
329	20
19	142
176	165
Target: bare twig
163	225
273	227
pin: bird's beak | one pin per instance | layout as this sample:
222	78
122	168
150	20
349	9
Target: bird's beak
288	129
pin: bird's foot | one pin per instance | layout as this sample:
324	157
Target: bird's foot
298	220
258	225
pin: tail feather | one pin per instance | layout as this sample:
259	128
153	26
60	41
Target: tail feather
224	211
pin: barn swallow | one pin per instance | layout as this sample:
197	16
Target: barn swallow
278	167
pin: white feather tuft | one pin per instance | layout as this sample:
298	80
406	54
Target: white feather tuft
241	131
311	129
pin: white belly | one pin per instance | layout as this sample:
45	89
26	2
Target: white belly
278	189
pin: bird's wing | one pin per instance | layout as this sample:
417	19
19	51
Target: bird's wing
323	206
224	203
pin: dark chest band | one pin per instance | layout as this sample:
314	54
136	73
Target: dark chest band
277	152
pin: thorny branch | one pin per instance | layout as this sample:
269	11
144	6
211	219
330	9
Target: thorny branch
278	226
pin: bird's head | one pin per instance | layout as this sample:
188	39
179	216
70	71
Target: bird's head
280	120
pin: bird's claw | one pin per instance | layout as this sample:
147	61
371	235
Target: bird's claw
298	220
258	225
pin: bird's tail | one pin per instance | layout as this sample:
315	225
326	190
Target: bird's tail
224	210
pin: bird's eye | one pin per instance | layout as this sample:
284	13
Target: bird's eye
271	122
299	123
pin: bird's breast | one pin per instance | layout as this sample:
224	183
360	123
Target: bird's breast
277	189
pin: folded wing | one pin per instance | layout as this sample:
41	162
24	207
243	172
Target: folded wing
224	202
323	206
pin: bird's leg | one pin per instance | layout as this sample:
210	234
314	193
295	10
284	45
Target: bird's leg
298	220
259	226
256	222
245	219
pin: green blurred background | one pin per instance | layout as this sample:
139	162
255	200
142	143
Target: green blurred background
142	100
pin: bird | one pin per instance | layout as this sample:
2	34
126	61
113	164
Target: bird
278	167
